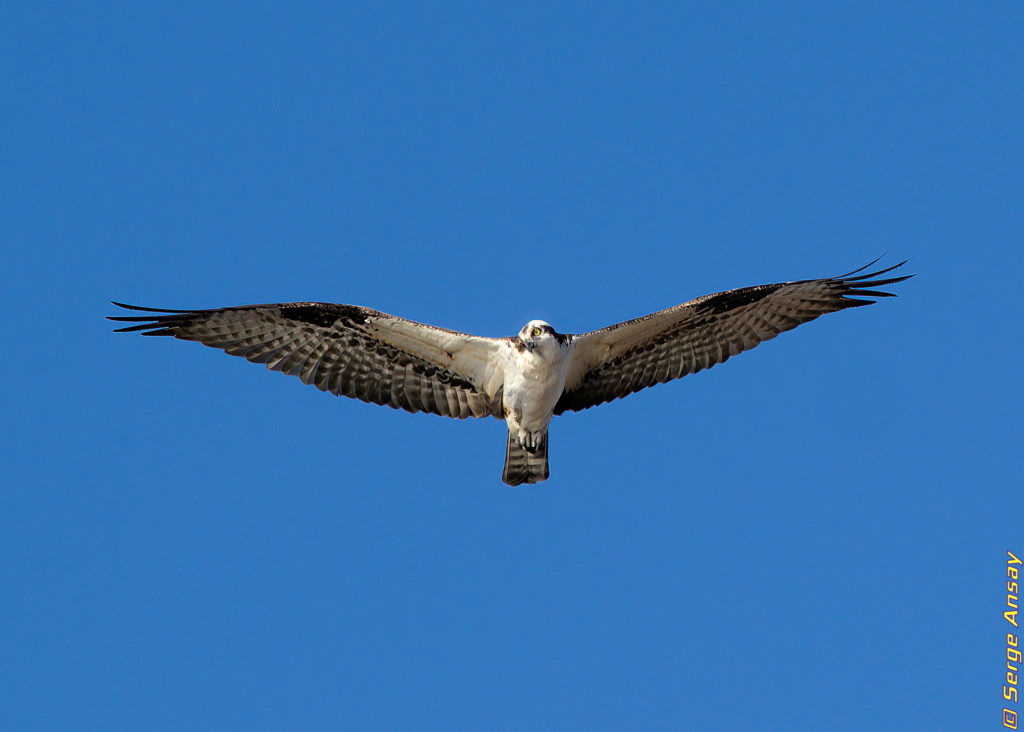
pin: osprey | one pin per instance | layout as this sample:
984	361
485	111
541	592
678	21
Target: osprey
527	379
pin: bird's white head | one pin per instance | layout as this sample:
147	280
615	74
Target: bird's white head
540	338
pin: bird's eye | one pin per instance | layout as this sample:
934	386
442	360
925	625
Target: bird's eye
535	332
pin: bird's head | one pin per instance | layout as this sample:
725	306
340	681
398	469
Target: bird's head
539	337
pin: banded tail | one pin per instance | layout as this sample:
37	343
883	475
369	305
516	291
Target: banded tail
524	466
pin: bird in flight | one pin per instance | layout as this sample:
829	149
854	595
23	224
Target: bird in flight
526	379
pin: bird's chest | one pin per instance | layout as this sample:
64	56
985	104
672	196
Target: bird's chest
533	386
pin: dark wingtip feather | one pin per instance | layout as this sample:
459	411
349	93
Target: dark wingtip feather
148	324
875	293
861	286
146	310
847	278
861	269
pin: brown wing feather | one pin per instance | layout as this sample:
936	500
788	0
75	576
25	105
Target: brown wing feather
346	350
624	358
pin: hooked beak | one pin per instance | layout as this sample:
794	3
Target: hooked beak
530	344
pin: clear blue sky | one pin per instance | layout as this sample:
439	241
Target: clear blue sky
811	536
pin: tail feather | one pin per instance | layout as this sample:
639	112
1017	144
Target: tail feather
522	465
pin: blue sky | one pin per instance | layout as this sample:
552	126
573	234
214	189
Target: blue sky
811	536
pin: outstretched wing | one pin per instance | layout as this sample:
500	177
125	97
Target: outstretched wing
624	358
350	351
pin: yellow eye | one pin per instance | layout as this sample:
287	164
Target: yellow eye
535	332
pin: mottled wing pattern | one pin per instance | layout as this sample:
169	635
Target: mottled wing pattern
624	358
349	351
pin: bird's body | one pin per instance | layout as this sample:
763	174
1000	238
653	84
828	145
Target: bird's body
536	362
534	380
525	379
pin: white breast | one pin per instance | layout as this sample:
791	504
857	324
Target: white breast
533	385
